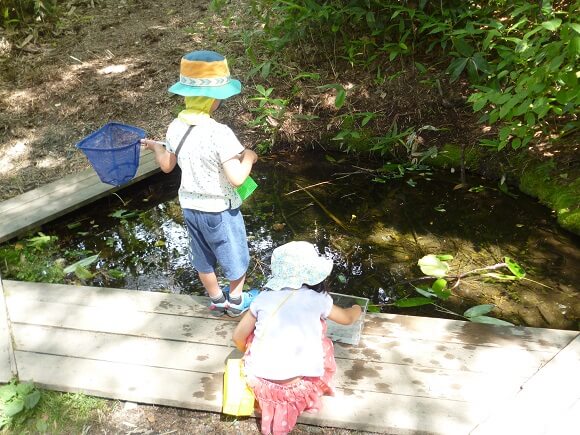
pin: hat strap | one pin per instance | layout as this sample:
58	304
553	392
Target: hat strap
209	82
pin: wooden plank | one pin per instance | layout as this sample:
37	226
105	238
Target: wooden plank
53	200
361	410
85	178
104	297
352	374
173	354
568	423
469	333
134	383
396	327
443	355
407	351
8	368
545	400
120	320
395	414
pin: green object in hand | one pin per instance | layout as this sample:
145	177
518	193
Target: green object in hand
247	188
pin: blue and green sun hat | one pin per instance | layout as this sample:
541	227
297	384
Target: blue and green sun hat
205	73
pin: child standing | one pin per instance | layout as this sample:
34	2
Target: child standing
289	361
213	163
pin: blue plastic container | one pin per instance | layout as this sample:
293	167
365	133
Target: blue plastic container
113	152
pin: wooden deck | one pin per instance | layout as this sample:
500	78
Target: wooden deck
409	375
38	206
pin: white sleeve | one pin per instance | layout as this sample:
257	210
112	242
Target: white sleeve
228	144
172	137
255	305
326	305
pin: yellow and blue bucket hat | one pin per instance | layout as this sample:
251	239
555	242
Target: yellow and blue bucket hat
205	73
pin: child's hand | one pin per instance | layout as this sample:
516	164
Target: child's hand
357	310
345	316
250	154
149	144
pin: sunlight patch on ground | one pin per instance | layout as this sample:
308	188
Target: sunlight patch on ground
12	155
50	162
19	101
113	69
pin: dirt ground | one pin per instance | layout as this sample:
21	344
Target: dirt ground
131	418
113	60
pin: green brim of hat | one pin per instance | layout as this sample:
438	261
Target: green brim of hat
233	87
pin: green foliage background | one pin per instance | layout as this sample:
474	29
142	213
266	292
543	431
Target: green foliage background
520	57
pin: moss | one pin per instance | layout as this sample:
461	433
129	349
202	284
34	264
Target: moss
561	195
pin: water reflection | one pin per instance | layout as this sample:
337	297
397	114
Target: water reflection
374	231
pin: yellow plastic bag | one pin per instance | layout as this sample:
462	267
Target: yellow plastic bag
238	396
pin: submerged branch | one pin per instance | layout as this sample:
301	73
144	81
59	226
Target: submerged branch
328	212
307	187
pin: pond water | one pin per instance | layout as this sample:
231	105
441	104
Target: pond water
375	232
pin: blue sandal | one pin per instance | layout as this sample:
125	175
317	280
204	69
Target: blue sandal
220	308
235	310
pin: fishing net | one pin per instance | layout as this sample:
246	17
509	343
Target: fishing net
113	152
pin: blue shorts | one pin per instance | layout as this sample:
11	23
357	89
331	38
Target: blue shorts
218	238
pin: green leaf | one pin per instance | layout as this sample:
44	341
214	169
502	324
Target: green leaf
444	257
479	310
374	309
7	392
456	68
552	25
424	292
14	407
575	26
340	98
431	266
463	47
82	273
413	302
514	267
30	400
38	242
490	320
83	263
123	214
116	273
479	104
24	388
439	285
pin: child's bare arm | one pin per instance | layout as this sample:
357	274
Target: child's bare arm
243	331
345	316
165	159
238	168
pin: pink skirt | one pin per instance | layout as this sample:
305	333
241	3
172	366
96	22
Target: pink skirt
281	405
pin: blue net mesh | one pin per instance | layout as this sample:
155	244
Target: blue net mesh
113	152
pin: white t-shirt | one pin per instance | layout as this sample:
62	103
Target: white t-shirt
289	343
204	185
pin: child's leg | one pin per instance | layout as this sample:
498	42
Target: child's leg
211	285
236	287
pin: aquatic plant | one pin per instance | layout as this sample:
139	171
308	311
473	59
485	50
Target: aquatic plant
437	269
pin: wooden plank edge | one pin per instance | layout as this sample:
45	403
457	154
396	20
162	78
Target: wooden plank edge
9	369
351	409
416	353
10	233
87	176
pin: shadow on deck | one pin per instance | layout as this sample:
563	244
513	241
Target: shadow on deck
408	375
